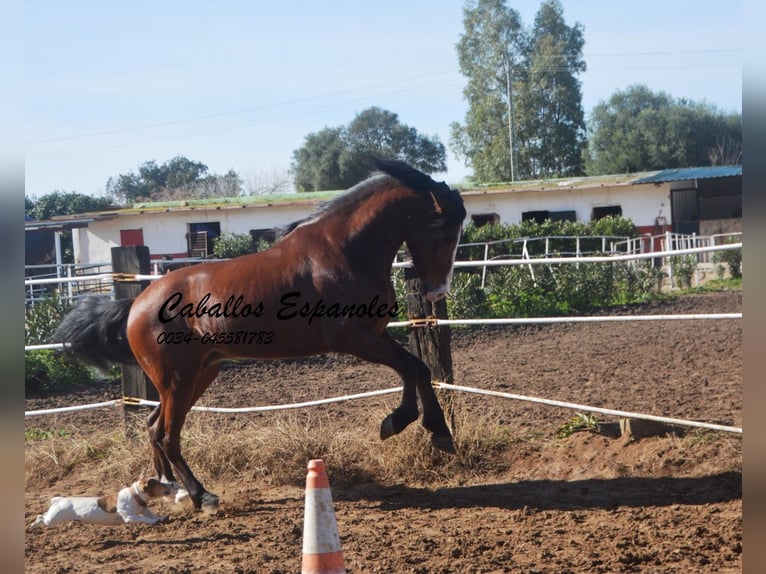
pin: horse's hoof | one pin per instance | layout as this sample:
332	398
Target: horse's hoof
443	442
209	503
387	428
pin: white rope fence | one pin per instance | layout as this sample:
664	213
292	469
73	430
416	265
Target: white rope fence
143	402
433	321
439	385
589	409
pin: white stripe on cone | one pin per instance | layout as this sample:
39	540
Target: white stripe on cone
320	531
321	542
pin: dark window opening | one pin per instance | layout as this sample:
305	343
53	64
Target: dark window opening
200	238
268	235
482	219
540	216
601	212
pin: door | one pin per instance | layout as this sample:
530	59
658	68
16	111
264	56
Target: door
684	211
130	237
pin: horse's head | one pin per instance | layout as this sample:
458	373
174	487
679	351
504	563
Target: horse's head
433	237
435	215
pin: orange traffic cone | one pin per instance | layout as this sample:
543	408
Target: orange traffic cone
321	543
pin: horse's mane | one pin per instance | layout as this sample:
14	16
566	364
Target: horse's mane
398	170
354	195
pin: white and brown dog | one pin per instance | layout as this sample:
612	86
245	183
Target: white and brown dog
127	506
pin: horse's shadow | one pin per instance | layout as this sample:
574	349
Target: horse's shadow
556	494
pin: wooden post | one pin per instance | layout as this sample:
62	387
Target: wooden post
135	384
430	344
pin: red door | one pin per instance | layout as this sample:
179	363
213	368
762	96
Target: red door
130	237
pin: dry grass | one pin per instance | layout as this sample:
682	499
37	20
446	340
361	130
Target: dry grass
276	450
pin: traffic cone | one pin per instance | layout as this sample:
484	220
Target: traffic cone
321	543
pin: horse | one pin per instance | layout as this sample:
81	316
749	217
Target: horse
324	286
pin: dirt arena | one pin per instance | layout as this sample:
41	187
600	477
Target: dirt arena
586	502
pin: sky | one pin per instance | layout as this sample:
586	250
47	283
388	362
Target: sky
240	84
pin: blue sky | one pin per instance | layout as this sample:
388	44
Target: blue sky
239	84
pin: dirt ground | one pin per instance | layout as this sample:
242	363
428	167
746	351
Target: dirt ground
582	503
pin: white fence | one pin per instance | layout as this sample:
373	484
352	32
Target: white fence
75	280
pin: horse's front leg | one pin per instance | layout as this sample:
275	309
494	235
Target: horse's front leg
174	417
178	392
156	426
416	379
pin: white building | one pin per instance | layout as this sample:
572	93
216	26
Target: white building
699	200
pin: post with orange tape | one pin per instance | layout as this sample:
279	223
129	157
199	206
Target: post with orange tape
321	543
126	261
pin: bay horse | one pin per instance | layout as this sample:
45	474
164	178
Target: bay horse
325	286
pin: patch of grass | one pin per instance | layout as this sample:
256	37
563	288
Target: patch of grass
728	283
109	456
43	434
579	422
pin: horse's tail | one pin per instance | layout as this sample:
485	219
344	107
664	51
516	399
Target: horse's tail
96	331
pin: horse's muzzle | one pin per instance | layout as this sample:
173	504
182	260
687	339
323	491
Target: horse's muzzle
434	294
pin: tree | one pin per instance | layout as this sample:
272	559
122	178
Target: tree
337	158
524	116
640	130
549	104
490	55
177	178
268	181
64	203
316	165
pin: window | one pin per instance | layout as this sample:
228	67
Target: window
268	234
200	238
601	212
541	216
482	219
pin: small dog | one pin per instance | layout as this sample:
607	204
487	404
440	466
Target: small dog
127	506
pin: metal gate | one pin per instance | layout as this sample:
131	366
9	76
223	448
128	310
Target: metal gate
684	210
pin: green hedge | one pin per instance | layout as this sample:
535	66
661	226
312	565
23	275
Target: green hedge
546	290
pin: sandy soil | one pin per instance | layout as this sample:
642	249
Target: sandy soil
583	503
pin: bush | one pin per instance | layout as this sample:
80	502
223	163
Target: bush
733	260
683	267
229	245
50	369
539	290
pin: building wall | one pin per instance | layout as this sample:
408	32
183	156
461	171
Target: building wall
165	232
641	203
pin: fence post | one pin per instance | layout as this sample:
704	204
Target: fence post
132	260
430	344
